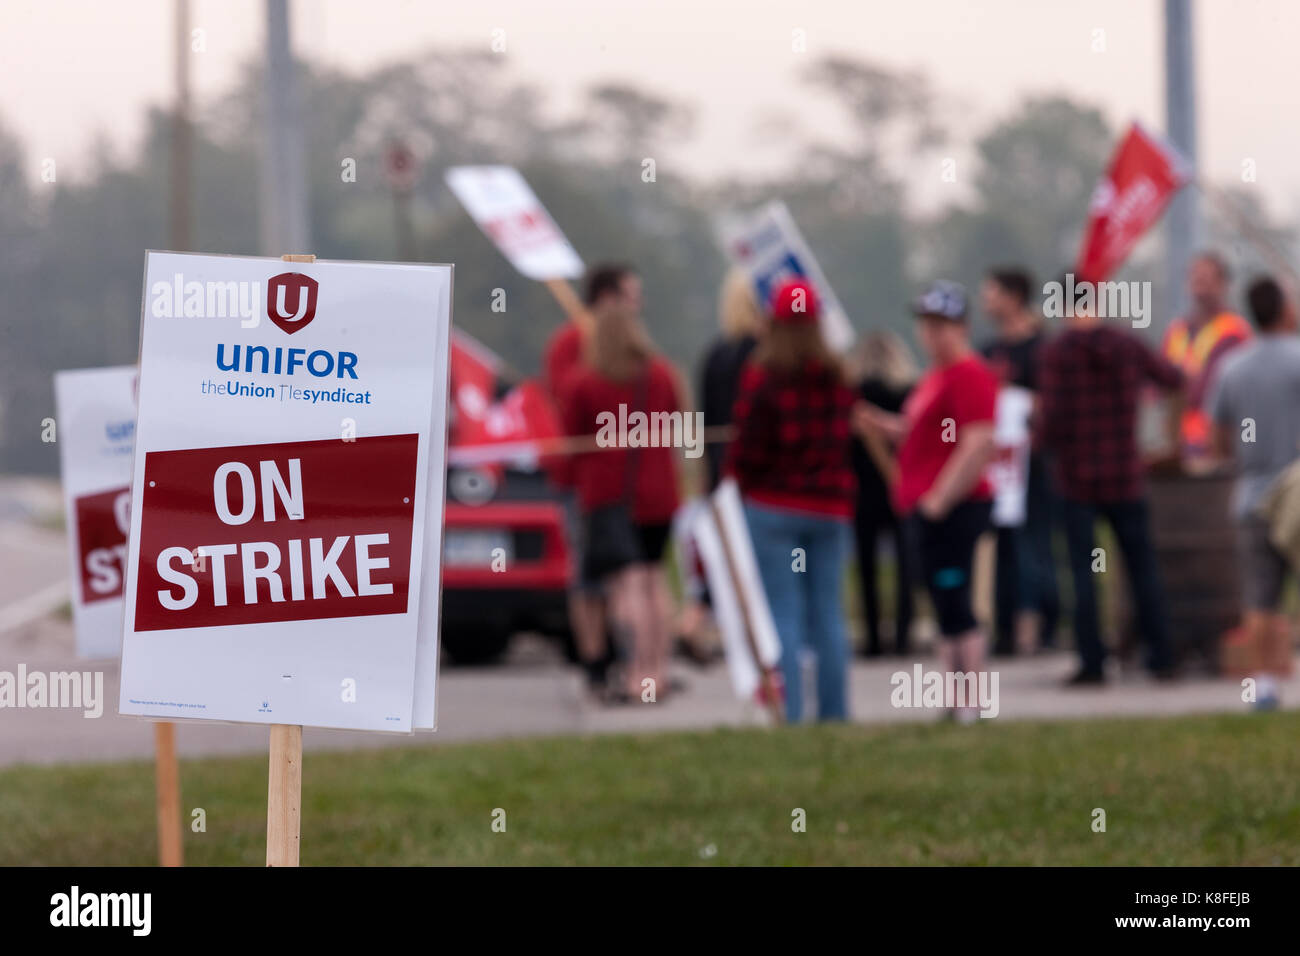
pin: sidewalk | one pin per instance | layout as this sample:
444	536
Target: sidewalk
533	693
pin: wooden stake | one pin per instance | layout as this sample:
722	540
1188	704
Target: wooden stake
767	677
572	305
167	784
284	776
284	796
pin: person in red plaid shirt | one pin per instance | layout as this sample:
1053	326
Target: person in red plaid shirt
1090	380
791	458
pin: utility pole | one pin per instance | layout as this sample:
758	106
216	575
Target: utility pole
181	236
1183	235
284	227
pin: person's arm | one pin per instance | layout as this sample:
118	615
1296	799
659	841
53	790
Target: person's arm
872	418
873	439
962	472
972	403
1166	375
1222	427
563	471
1159	370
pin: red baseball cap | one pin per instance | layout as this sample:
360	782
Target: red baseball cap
795	302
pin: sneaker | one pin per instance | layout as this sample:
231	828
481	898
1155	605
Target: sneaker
1086	678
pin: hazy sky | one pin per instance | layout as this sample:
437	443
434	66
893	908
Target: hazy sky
75	69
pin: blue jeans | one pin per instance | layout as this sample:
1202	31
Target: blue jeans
806	605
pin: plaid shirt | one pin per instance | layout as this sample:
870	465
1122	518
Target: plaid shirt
1089	385
793	443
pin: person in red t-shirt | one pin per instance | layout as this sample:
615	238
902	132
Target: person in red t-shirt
791	459
945	436
627	491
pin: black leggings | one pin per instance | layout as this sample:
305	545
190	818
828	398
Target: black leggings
869	521
947	551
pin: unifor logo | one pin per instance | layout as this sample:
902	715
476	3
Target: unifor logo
291	300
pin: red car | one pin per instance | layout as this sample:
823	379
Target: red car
506	562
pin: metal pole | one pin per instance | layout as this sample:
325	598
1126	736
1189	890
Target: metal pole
1183	230
182	139
284	225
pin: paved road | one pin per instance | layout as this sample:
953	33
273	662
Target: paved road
532	693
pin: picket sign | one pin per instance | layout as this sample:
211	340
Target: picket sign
504	206
96	411
1008	472
744	617
768	245
287	493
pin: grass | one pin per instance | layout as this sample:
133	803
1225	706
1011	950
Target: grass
1190	791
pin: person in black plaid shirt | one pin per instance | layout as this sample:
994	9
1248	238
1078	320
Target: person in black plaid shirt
1090	380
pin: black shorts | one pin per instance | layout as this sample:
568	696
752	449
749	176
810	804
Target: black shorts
946	549
654	541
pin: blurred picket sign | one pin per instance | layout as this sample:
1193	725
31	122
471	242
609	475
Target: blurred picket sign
770	247
504	206
749	640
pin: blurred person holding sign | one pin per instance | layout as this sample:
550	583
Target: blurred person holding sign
1028	603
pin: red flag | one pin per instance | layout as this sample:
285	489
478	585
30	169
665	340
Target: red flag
1143	176
473	389
488	432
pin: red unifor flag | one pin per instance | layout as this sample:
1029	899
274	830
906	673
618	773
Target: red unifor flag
1143	176
486	431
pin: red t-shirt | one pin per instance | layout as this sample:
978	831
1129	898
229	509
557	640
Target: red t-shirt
943	402
601	476
563	356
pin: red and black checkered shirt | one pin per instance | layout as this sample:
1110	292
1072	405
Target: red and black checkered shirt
792	446
1089	383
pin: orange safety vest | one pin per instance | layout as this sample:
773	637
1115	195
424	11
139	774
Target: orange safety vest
1192	355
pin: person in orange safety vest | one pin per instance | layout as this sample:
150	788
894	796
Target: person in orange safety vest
1198	342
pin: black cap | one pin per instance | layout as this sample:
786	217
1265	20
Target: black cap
943	299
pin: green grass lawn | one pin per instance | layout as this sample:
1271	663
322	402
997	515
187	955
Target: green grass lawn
1197	790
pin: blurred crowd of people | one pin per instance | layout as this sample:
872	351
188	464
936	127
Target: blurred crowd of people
834	454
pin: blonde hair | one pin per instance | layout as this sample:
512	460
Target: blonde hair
884	356
738	309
